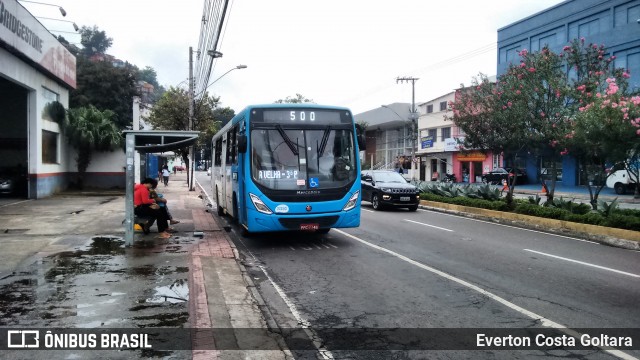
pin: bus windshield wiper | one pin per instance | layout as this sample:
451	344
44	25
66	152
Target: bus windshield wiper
325	138
290	144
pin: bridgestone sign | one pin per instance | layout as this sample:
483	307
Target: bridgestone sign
24	34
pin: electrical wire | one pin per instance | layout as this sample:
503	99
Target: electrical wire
212	25
430	68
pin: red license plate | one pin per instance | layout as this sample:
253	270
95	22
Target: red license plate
309	227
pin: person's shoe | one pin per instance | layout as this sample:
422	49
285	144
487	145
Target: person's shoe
173	222
163	235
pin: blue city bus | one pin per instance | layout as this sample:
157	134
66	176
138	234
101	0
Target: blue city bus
282	167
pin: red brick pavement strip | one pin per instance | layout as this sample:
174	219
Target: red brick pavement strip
213	244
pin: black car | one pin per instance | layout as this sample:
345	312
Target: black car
496	176
388	188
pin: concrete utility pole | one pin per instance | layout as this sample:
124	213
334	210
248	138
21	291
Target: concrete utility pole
414	123
191	110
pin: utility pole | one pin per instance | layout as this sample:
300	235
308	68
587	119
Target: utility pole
191	109
414	122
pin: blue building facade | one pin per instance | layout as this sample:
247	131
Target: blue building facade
614	23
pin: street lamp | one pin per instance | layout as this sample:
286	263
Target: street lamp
75	26
64	13
192	110
220	77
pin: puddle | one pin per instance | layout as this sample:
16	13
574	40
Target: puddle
164	320
97	285
177	292
16	298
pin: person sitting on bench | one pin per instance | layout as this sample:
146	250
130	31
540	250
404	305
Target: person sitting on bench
162	202
145	206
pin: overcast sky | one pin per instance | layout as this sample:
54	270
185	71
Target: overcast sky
337	52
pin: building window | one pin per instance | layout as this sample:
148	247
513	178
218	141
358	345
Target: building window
49	95
589	26
443	105
510	54
433	133
49	147
626	15
429	109
551	38
630	61
445	133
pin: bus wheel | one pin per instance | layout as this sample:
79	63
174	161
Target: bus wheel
234	203
220	208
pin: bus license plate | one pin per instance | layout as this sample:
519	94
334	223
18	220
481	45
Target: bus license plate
309	227
404	198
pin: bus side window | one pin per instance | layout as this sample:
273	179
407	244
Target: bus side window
228	159
218	152
234	148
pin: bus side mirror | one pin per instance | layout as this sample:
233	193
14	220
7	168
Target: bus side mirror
242	143
362	143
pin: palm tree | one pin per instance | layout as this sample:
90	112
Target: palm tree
89	129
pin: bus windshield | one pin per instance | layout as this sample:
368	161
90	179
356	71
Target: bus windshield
301	159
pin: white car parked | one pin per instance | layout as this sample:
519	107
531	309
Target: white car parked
621	181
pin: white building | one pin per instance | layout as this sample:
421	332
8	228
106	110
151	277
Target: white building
35	70
434	133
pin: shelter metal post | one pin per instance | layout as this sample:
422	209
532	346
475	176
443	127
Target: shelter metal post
128	203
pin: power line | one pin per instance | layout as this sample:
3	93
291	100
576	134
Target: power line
429	68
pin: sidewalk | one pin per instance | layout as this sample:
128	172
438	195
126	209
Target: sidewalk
580	194
64	265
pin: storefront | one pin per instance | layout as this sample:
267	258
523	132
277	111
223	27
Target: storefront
470	166
36	74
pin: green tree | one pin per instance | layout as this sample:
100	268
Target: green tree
603	112
298	99
150	75
88	130
106	87
94	41
171	112
554	105
535	91
478	110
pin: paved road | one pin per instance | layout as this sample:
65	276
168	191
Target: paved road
432	270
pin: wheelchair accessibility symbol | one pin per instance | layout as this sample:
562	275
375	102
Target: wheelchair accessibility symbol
313	182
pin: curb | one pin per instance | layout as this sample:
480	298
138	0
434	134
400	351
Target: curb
626	239
249	283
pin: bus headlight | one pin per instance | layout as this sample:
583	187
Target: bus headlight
353	200
260	206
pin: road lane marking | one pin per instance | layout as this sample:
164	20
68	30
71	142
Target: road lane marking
371	211
543	321
513	227
584	263
323	353
423	224
306	326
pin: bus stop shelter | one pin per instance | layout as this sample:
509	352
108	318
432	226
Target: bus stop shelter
148	141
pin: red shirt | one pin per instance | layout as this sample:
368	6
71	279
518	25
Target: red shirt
141	195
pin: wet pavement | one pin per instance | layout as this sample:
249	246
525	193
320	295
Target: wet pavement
64	265
102	284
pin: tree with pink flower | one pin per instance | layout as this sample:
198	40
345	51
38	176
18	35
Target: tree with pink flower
603	112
